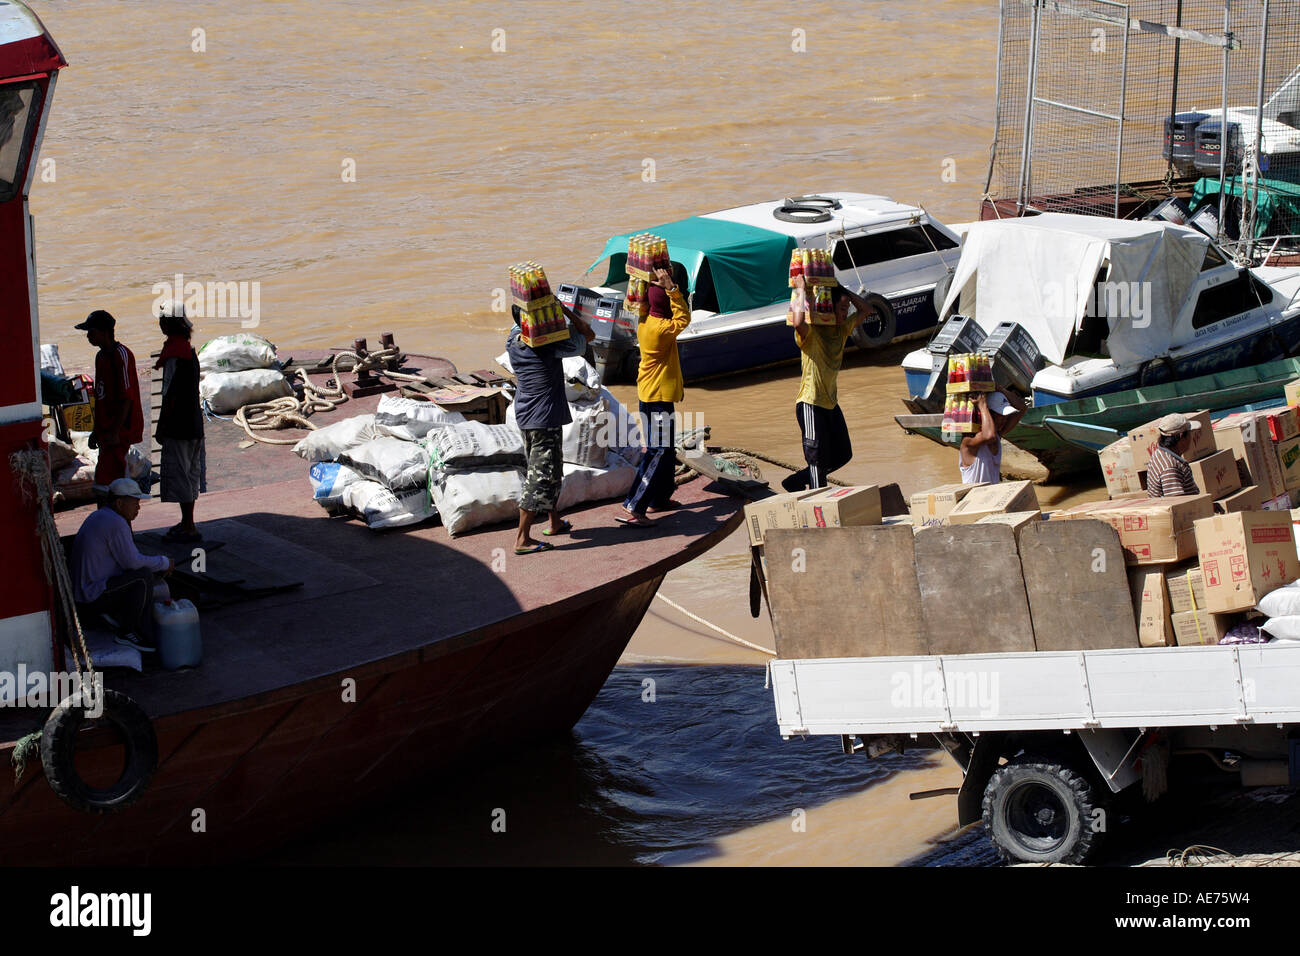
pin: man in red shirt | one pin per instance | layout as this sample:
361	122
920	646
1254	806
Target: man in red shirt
119	422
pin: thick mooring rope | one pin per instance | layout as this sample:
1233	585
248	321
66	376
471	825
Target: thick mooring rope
291	412
32	472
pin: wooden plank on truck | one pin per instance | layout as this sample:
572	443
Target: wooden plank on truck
972	593
1078	589
851	592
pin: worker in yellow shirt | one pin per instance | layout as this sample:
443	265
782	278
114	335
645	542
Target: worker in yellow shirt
826	444
658	387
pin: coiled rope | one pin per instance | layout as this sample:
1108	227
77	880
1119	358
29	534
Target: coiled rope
293	412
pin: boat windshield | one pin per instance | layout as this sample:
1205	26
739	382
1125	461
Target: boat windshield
19	108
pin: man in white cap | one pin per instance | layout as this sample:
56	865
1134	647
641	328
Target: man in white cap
980	459
1169	473
109	574
180	421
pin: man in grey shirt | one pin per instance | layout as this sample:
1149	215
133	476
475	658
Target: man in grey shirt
109	574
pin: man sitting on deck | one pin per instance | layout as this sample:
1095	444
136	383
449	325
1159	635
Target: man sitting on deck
1169	473
110	576
541	411
980	459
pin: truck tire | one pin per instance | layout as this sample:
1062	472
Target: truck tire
1038	810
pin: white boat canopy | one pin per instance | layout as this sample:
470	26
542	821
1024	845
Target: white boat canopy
1042	272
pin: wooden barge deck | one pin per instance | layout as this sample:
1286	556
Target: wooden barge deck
455	645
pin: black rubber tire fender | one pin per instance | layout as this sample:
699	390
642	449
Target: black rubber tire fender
802	214
1079	797
59	743
1164	361
874	333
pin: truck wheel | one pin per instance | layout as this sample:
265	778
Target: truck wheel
1039	811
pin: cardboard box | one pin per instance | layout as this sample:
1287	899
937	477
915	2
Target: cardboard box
778	511
1146	436
1246	434
1249	498
1280	503
1186	588
1200	627
1002	498
1151	605
1019	520
1117	467
1285	424
1244	556
1154	530
1216	475
1292	392
840	507
933	507
1288	459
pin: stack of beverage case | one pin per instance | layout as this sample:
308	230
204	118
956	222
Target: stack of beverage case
542	320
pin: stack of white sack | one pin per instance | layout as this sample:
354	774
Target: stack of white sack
239	370
376	466
410	419
1283	609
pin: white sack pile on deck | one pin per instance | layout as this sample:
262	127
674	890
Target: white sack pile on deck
412	460
239	370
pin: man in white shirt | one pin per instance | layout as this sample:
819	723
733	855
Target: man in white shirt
981	454
109	574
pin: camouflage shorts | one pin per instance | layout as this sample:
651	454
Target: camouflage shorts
544	450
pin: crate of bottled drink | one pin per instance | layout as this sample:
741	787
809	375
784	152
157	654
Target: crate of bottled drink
815	265
541	319
646	253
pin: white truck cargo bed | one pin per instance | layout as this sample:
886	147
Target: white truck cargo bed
1061	690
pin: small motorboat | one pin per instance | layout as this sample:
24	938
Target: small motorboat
1104	305
735	265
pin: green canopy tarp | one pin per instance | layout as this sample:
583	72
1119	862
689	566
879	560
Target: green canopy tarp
1278	212
749	267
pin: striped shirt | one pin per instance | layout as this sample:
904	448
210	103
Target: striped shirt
1169	474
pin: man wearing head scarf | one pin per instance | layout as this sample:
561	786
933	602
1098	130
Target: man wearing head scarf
180	421
658	387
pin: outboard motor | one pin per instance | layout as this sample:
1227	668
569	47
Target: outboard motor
958	336
1180	141
1016	357
614	352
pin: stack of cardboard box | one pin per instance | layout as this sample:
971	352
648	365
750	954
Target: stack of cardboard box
1267	445
842	507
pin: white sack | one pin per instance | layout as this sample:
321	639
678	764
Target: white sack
411	420
467	499
1282	602
236	353
328	443
583	484
380	508
581	380
228	391
329	480
397	464
475	445
1285	628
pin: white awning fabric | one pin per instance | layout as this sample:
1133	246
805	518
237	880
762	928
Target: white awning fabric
1041	271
